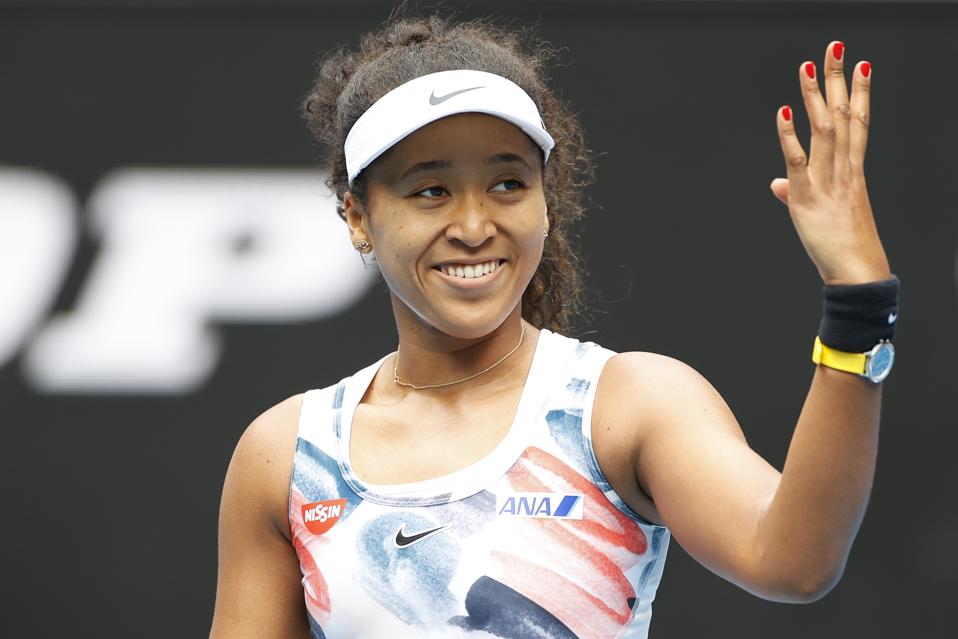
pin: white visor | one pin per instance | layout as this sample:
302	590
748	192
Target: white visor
416	103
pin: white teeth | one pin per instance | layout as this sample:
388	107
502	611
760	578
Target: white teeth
469	271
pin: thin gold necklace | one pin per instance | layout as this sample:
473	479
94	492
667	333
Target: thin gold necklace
396	378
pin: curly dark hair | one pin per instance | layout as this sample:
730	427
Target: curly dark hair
348	82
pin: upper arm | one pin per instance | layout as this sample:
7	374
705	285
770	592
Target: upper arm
690	456
259	592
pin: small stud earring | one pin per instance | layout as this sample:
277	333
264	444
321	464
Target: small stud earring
361	246
545	234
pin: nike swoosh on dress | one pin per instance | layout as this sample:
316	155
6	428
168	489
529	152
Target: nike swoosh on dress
402	540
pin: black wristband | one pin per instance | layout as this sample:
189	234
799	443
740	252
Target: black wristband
855	317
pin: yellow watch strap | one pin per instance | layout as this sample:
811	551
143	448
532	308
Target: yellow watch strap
848	362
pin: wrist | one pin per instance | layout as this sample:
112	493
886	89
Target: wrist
863	274
858	324
855	317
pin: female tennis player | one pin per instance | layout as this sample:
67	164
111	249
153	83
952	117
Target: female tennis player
494	477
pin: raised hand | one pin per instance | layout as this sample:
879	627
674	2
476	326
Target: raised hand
825	192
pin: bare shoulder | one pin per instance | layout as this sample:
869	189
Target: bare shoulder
647	390
258	591
643	401
262	462
273	428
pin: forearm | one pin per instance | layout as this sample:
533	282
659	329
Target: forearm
807	531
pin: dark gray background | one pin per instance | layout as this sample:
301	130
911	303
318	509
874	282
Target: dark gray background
110	502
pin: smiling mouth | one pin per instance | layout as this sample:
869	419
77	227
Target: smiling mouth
470	271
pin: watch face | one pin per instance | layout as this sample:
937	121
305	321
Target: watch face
880	363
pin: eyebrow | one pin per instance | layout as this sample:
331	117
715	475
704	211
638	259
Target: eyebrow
438	165
432	165
503	158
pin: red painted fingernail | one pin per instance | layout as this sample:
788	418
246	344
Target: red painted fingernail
838	49
810	70
787	113
866	68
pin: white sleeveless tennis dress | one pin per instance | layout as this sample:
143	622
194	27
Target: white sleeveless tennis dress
529	542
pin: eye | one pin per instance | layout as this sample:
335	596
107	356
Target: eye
431	192
507	185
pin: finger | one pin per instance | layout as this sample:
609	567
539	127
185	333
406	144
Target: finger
861	115
821	157
836	93
795	160
779	187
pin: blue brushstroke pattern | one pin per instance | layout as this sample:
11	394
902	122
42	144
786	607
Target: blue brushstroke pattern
578	387
338	410
657	535
412	582
646	573
314	628
565	426
316	475
655	546
338	396
582	348
496	608
471	514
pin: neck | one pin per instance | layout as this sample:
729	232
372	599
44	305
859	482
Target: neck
428	356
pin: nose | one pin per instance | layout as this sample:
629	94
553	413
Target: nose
471	222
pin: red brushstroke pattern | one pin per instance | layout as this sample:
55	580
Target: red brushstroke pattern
577	571
317	603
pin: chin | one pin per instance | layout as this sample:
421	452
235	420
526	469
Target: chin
463	319
467	330
468	323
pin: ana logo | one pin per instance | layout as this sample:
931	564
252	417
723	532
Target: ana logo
540	505
320	516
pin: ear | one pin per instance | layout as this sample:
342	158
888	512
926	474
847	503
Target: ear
356	218
547	221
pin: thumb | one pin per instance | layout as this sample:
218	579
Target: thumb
779	188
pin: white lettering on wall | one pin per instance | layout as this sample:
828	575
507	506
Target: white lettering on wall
37	237
182	249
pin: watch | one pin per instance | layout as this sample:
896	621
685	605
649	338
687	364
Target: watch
874	365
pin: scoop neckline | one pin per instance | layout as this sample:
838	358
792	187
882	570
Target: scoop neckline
458	484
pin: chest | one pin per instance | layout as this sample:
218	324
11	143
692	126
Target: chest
415	440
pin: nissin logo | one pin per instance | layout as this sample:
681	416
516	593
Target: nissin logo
321	515
540	505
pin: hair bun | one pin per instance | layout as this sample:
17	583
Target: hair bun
408	32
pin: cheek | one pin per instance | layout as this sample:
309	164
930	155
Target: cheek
399	252
531	247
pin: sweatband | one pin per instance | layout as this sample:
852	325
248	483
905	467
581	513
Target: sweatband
416	103
855	317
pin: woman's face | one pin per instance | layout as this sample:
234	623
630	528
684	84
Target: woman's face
455	213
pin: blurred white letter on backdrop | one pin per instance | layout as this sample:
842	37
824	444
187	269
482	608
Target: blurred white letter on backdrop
37	239
181	249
